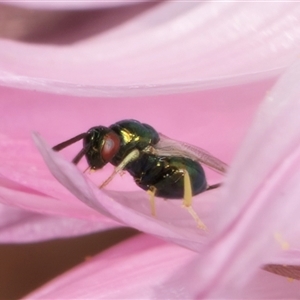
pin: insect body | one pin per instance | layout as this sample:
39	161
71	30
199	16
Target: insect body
162	166
164	173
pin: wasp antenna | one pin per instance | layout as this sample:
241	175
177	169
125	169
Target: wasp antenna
69	142
79	156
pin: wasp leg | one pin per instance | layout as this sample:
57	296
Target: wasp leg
87	169
214	186
133	155
187	200
152	192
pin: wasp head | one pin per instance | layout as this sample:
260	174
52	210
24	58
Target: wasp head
100	145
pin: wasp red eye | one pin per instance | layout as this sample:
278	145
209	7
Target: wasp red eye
111	146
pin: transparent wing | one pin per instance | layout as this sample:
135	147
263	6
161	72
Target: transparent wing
169	147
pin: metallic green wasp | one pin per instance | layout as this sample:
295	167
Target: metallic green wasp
159	165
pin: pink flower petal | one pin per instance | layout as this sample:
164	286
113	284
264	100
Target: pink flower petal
14	194
27	184
263	285
146	268
261	195
131	270
168	47
20	226
70	4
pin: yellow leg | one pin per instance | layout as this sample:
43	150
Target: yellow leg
122	173
133	155
187	200
152	192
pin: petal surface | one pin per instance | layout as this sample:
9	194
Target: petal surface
261	224
130	270
21	226
67	4
158	47
146	268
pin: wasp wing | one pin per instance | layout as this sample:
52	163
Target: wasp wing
169	147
